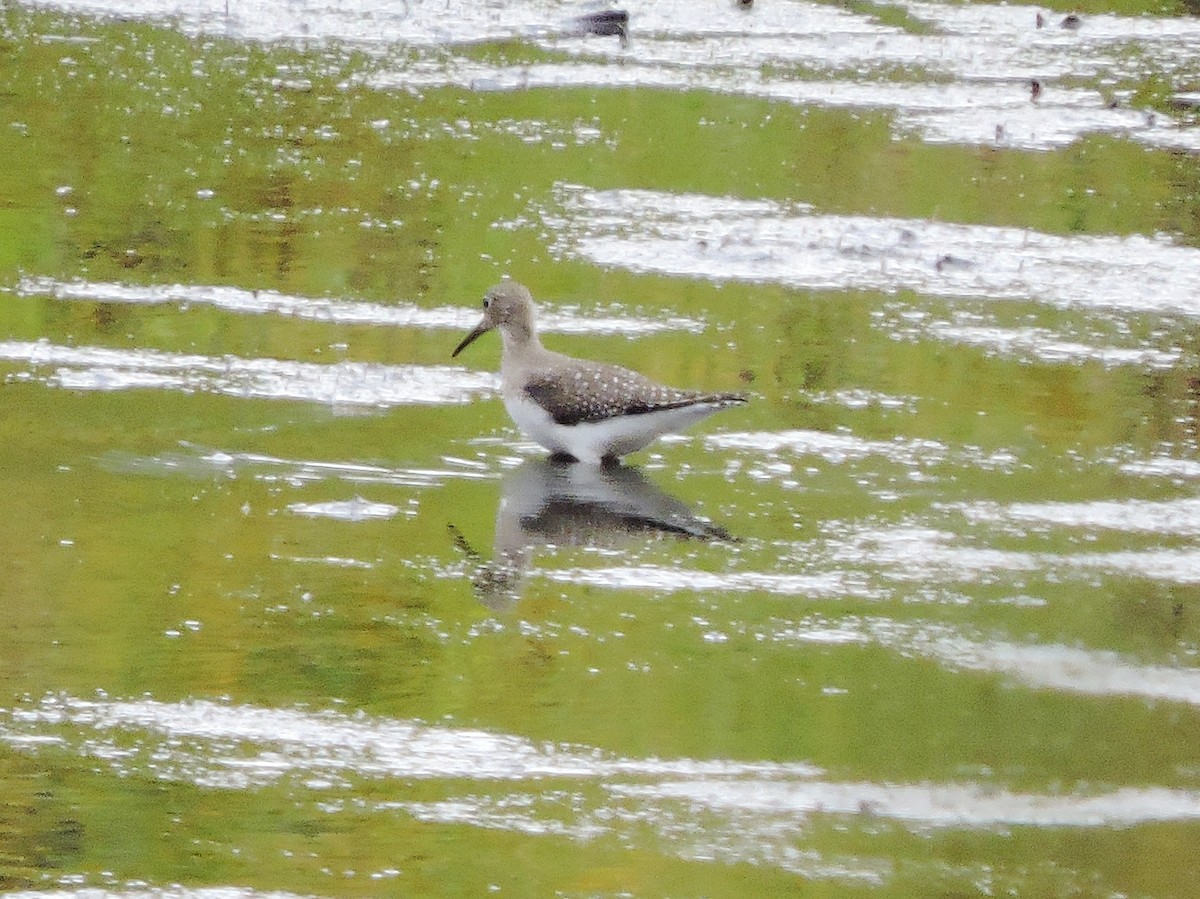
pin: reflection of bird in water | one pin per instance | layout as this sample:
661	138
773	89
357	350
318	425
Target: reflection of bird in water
578	409
548	503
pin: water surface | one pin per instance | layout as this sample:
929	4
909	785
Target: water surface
290	607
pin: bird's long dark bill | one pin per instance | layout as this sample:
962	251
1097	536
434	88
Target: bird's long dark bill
479	331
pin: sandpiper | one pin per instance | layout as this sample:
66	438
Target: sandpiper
577	409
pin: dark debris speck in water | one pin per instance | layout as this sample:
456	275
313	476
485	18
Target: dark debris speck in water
606	23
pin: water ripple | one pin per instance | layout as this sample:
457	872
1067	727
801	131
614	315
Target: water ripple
200	462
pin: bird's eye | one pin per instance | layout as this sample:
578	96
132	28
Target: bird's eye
486	303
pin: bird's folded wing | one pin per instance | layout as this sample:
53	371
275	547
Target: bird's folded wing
575	396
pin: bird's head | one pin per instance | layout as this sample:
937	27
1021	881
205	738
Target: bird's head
509	307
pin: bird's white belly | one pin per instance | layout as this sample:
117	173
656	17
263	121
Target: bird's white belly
593	441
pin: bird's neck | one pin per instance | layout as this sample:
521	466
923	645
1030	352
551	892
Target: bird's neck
519	338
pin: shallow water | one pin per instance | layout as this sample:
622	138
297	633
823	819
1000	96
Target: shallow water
292	610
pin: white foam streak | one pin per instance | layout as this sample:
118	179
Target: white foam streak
336	311
1057	667
1048	347
922	555
930	805
755	241
1052	666
253	302
253	746
1163	467
356	509
914	554
338	383
1179	566
832	584
833	448
1176	517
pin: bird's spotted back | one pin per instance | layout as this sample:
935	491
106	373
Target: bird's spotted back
593	392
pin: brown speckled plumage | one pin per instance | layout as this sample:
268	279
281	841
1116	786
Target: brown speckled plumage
596	391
